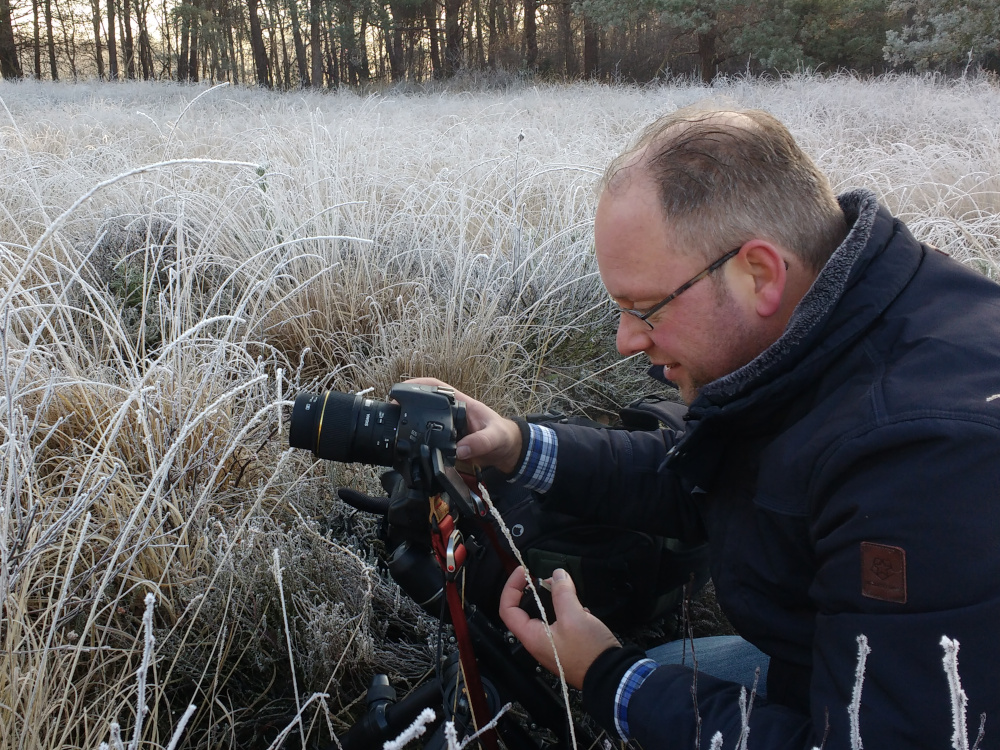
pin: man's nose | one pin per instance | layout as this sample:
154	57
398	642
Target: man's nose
632	337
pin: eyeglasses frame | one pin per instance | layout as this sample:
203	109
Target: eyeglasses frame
645	315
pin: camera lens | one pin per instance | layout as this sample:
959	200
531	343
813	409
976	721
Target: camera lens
344	427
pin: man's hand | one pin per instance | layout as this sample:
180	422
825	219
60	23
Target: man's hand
579	636
492	439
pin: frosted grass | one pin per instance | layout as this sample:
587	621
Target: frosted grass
150	339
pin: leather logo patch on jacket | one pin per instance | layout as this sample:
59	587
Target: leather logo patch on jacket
883	572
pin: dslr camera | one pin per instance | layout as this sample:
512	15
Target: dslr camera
424	420
415	436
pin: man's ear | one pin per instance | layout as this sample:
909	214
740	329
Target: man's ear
765	276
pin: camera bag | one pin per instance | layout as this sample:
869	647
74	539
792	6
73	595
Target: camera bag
626	577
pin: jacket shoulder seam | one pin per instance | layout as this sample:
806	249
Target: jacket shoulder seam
929	415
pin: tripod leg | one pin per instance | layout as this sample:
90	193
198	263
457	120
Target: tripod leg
386	719
512	674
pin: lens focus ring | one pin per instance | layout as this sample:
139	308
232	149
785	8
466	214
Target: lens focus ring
335	429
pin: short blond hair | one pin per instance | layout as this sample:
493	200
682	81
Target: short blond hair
728	176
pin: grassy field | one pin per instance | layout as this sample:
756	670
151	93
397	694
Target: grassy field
177	262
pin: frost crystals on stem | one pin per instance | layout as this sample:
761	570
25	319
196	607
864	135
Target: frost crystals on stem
959	700
416	729
141	708
854	710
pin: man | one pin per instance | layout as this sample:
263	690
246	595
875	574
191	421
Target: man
840	455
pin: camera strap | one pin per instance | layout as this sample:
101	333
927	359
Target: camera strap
450	551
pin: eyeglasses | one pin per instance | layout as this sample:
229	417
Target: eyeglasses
644	315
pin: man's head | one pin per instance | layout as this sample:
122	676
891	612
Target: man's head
724	177
696	185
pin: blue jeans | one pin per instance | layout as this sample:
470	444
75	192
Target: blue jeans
727	657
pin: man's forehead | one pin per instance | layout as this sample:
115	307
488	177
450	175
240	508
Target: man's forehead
632	171
632	208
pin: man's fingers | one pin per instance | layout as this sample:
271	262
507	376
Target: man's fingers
515	618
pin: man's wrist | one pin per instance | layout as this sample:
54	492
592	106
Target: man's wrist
610	682
522	449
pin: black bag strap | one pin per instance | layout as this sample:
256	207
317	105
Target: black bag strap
653	412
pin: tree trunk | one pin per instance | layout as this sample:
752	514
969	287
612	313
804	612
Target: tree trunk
350	54
300	47
394	44
277	29
333	70
452	37
315	43
10	65
706	56
530	34
145	53
240	41
272	53
491	27
403	25
112	44
591	43
234	63
480	46
260	61
332	64
128	46
36	39
97	37
145	48
168	38
364	67
183	74
50	41
430	13
566	38
195	27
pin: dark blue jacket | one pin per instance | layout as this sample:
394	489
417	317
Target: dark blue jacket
848	483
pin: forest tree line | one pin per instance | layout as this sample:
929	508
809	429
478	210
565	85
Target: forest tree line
330	43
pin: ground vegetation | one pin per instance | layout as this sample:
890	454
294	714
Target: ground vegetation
177	262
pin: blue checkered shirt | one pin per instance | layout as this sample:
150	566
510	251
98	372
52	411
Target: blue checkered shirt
635	676
538	469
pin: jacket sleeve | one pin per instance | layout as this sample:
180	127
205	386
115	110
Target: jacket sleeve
619	477
905	525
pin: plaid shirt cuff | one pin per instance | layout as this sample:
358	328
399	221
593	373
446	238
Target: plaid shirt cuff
635	676
538	470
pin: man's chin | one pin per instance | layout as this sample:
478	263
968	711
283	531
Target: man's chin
674	375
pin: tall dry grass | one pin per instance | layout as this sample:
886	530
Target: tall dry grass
177	261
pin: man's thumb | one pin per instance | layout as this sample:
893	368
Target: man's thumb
470	446
564	596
